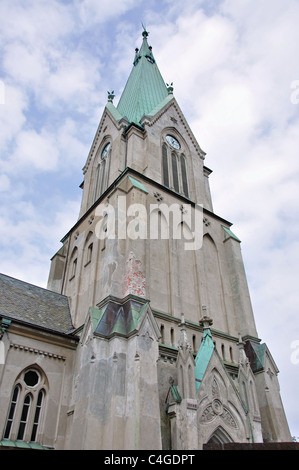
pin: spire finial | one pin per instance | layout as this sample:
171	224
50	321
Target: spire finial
182	324
110	95
170	88
183	343
145	32
205	321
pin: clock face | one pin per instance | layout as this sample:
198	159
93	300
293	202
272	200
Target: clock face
105	150
173	142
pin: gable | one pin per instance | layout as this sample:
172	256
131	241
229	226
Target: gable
111	115
219	403
122	317
170	106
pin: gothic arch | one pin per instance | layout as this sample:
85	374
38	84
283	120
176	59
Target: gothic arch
175	162
191	381
219	436
38	369
185	262
159	225
213	282
74	252
159	267
102	167
24	416
73	263
88	248
88	236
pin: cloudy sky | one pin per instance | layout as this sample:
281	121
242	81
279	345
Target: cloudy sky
235	69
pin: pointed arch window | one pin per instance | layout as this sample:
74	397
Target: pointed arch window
102	171
165	171
73	263
172	336
39	403
89	253
24	416
88	248
25	409
174	168
184	175
175	175
12	410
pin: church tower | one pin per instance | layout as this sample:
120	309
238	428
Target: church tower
168	355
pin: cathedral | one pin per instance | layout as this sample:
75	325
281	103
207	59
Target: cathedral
145	337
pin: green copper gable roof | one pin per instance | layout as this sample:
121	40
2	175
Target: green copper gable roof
138	184
229	234
256	354
117	318
145	88
203	356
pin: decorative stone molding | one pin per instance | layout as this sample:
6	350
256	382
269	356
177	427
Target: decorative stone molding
215	409
158	196
37	351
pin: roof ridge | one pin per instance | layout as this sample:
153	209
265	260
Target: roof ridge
33	285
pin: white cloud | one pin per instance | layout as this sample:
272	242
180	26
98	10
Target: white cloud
30	233
25	63
35	151
72	80
73	151
91	12
4	183
12	114
35	23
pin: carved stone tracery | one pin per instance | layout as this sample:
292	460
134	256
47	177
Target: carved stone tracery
216	408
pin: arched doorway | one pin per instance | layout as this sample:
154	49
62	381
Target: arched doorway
219	436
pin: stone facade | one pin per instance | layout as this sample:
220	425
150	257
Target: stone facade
125	351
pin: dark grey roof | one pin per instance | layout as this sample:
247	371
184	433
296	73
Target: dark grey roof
35	305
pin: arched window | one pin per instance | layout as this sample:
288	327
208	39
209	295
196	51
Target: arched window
39	403
24	413
223	352
194	343
191	381
184	175
73	263
175	174
88	248
174	169
24	416
162	333
12	410
172	336
165	165
102	170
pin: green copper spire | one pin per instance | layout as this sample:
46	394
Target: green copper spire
145	89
